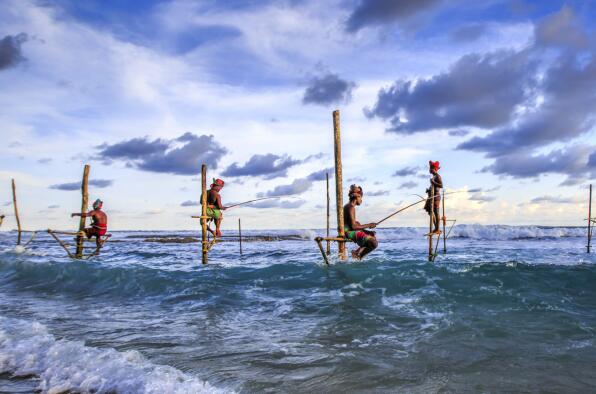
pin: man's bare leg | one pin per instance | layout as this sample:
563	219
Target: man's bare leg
217	224
370	246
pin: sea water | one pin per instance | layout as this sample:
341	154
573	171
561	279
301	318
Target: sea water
506	309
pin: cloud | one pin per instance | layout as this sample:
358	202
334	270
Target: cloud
552	200
381	12
10	50
269	164
190	203
278	204
571	161
357	179
53	206
320	175
406	171
478	90
560	30
378	193
468	33
481	197
98	183
458	133
179	156
407	185
298	186
45	160
328	89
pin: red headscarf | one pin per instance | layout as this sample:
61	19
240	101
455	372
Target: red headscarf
217	182
434	164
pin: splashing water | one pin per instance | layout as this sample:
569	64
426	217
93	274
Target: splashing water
506	301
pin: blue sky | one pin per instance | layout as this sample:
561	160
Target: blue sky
502	93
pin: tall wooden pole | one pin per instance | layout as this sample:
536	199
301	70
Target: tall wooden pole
328	214
430	226
16	211
240	235
338	185
204	247
444	225
84	207
590	219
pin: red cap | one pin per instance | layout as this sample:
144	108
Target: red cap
434	164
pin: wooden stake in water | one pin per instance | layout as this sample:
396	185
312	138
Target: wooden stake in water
84	208
590	220
338	185
430	226
204	246
444	225
328	214
240	235
16	211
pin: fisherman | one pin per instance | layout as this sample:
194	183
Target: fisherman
1	219
99	222
214	205
356	232
436	183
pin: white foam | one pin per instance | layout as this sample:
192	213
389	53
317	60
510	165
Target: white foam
27	348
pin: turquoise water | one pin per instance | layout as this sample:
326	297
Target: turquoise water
507	309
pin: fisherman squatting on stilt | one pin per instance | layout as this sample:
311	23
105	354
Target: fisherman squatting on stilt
356	232
437	184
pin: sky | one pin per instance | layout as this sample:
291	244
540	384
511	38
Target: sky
501	92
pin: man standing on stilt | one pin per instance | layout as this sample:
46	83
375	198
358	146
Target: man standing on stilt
436	183
214	205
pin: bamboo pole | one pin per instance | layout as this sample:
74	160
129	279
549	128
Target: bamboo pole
590	220
16	211
338	185
204	246
84	207
430	227
328	214
444	226
318	241
240	235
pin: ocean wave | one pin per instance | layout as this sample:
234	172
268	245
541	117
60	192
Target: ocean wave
27	348
489	232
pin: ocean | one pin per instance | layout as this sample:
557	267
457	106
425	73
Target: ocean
507	309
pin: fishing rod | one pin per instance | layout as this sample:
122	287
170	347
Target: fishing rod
255	200
411	205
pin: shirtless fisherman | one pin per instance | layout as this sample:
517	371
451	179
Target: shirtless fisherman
99	222
356	232
214	205
437	184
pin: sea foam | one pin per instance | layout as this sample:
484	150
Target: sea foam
27	348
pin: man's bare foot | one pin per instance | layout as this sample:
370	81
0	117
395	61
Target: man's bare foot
437	232
218	233
355	254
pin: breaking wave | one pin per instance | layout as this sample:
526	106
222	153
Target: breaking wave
28	349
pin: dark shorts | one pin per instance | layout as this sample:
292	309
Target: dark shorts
95	232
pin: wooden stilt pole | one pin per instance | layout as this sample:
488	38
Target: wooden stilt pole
240	235
84	208
444	225
204	242
16	211
430	226
338	185
318	241
590	220
328	214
